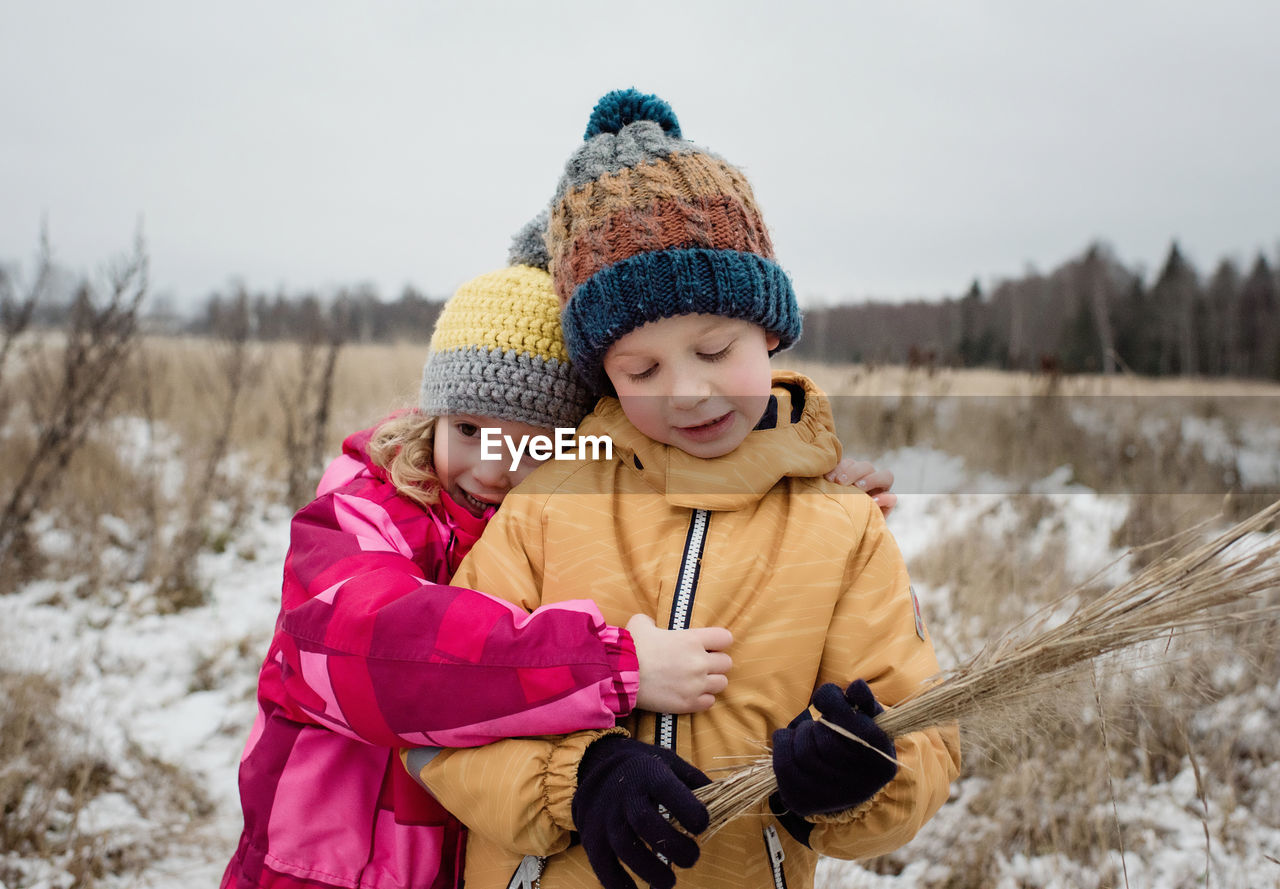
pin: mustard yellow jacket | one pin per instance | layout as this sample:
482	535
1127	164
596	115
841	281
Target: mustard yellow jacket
802	571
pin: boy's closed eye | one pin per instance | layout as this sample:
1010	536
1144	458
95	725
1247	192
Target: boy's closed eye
637	372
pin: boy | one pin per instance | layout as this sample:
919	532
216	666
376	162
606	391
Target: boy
712	512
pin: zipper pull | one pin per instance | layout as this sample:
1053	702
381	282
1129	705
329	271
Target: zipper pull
776	856
529	874
774	845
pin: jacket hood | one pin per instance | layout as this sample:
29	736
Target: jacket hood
355	463
466	528
795	437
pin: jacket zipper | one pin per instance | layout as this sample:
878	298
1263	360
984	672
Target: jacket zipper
773	845
682	605
528	874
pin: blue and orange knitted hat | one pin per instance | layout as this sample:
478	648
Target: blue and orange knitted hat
645	225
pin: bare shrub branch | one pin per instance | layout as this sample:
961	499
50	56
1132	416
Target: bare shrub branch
307	398
226	382
67	388
16	312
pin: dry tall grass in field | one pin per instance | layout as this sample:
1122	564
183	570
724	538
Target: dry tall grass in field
196	432
1175	444
48	781
184	377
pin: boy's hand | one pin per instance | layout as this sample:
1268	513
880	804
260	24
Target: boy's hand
821	770
623	788
681	671
875	482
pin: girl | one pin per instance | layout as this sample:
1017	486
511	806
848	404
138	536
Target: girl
373	651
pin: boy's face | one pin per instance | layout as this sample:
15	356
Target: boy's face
475	484
697	382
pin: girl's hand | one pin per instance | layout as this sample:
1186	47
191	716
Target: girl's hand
681	671
875	482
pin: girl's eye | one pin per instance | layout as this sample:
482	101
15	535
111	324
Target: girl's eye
716	356
468	430
643	375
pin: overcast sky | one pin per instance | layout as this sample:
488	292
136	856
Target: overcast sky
897	148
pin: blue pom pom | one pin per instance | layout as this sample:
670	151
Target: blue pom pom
621	107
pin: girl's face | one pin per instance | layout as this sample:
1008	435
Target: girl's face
473	481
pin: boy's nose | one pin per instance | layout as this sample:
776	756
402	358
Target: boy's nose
684	401
690	391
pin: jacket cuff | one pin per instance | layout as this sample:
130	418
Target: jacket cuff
850	816
621	653
561	777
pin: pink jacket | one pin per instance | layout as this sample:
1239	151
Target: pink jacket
373	652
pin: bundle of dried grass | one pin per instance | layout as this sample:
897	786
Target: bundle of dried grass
1187	590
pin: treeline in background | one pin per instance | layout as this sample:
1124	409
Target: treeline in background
1091	314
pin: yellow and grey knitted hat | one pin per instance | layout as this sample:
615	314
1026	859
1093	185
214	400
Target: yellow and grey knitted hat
498	350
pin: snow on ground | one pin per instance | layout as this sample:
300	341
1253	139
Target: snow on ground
139	680
1251	444
937	497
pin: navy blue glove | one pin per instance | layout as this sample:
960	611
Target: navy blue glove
621	784
820	770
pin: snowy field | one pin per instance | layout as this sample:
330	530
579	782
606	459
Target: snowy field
163	703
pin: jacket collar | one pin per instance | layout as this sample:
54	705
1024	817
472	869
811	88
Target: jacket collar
795	437
464	528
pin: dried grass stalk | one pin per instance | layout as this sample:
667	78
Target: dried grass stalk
1187	590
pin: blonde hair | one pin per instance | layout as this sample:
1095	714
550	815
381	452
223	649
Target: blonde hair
403	446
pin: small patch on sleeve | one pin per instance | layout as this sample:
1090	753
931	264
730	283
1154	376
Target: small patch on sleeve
915	609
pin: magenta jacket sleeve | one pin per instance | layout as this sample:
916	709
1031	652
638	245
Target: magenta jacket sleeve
371	645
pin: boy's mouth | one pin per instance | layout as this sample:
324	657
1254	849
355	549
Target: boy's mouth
709	430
